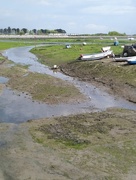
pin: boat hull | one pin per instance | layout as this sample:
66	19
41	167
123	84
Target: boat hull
131	62
98	56
124	59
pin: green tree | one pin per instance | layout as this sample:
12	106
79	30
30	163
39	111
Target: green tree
115	33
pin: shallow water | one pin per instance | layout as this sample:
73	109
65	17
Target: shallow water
17	107
3	80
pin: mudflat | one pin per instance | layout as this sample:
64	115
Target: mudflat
99	145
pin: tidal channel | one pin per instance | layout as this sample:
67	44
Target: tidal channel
17	108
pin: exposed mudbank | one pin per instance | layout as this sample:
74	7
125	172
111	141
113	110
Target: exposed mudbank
117	78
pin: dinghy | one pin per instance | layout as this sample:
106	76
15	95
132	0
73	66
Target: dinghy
106	53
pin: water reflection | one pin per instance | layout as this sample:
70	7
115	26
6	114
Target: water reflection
18	107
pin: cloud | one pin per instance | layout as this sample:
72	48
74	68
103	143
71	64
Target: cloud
44	2
78	16
7	13
96	27
109	10
74	27
50	3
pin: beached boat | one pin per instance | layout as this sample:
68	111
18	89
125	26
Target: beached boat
96	56
124	59
132	60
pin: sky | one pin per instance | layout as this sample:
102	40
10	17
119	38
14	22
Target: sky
73	16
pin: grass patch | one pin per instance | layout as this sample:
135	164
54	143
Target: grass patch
101	141
13	71
11	44
39	86
1	58
58	54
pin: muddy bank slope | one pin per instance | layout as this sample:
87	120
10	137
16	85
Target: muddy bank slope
117	77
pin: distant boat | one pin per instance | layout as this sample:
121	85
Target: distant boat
130	38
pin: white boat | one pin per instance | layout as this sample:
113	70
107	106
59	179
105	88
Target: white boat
132	60
96	56
123	59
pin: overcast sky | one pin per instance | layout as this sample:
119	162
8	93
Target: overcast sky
74	16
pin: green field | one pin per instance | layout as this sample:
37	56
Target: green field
59	54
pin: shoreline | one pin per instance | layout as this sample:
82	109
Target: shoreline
110	85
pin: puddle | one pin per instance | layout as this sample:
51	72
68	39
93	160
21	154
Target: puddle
17	107
3	80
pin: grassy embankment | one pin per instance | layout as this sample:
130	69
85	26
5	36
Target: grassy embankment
14	43
119	77
59	54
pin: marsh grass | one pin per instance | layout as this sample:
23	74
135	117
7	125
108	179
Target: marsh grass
11	44
59	54
1	58
12	71
40	87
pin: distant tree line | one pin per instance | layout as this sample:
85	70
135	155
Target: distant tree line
115	33
111	33
17	31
